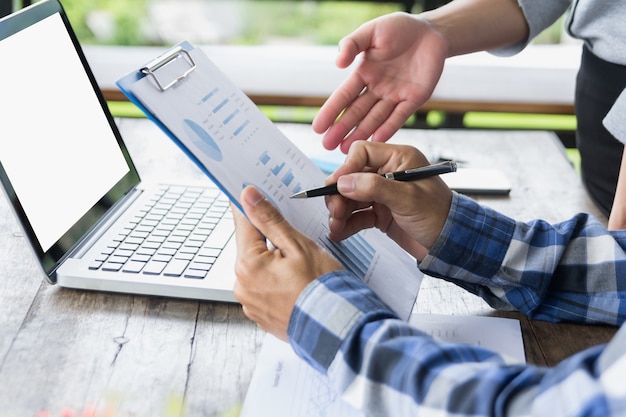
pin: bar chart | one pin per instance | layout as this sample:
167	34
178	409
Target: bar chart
281	171
355	253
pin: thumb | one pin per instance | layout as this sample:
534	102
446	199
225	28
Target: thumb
360	40
348	50
266	218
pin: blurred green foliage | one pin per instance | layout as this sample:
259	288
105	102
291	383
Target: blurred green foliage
126	19
320	23
127	22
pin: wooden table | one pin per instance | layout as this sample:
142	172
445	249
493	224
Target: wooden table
128	355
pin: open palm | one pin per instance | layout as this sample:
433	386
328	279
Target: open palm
402	61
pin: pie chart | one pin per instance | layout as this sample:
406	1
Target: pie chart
202	140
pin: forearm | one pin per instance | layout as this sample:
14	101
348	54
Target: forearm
383	366
479	25
568	271
617	218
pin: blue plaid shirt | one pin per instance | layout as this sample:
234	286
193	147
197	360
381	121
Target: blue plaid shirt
571	271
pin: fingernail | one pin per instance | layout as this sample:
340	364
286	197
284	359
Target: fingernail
254	197
345	184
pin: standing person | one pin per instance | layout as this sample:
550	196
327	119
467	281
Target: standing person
404	55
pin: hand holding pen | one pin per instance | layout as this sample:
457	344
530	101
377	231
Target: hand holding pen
413	174
410	211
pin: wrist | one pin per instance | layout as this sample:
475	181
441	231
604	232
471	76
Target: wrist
442	29
324	303
478	25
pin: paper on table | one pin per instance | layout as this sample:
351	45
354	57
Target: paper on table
235	144
283	385
494	333
478	181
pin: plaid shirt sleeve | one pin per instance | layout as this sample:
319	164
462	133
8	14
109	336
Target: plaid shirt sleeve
383	366
570	271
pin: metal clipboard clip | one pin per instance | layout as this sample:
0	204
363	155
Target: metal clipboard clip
168	58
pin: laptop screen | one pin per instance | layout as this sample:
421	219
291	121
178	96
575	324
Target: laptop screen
63	161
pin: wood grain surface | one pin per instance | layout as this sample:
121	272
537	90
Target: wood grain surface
125	355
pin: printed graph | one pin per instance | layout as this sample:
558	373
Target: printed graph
202	139
354	253
281	171
228	111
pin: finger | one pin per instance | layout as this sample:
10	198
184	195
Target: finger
378	157
354	162
348	50
268	220
359	121
335	135
395	120
365	157
375	188
340	208
343	229
247	237
378	115
358	41
369	124
339	100
348	90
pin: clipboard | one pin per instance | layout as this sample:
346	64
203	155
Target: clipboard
226	135
180	51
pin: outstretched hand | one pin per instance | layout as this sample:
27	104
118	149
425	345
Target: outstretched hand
402	61
270	277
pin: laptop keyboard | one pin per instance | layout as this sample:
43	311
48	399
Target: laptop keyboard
179	233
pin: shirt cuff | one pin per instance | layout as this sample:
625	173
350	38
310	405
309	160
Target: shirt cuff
472	244
327	311
539	16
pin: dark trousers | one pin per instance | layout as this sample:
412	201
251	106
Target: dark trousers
598	85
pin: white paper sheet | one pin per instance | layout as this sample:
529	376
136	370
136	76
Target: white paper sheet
237	145
285	386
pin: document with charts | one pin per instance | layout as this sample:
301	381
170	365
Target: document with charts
235	144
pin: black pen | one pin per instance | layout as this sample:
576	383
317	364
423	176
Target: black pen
407	175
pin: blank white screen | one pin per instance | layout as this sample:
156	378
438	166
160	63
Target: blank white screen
56	144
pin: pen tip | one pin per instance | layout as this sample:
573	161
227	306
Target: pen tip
299	195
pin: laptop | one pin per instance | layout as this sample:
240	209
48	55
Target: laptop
92	223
